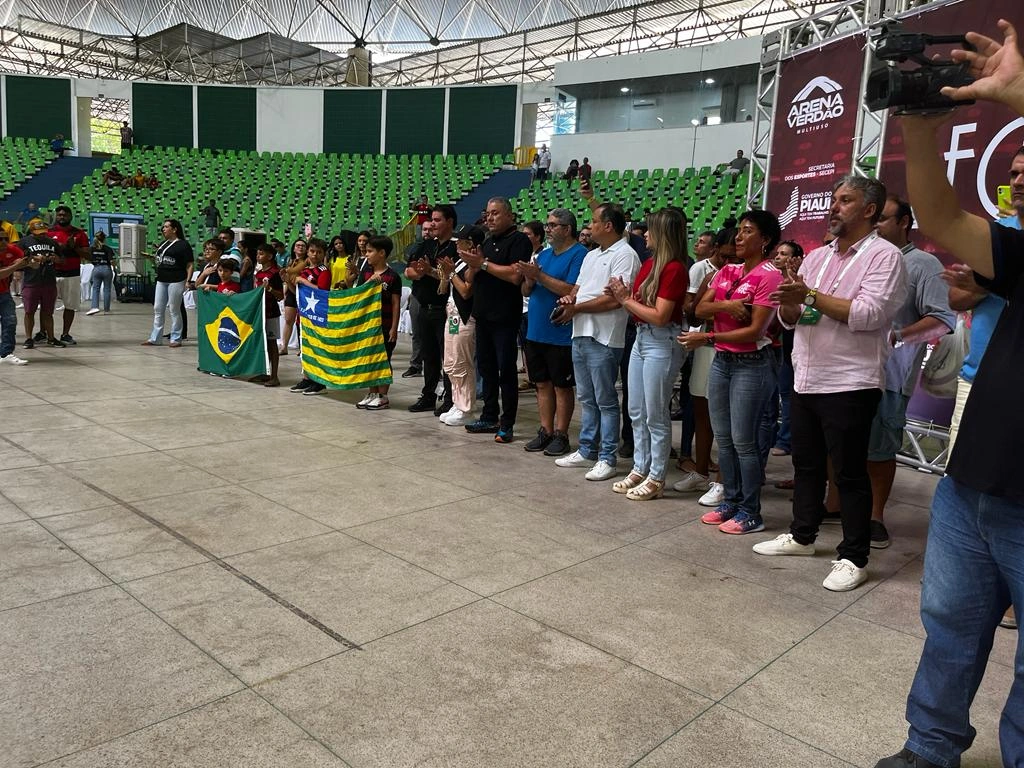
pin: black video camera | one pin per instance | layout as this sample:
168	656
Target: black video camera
914	91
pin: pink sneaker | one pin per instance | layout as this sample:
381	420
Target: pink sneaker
718	515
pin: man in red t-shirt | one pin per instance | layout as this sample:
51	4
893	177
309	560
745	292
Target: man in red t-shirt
74	245
12	259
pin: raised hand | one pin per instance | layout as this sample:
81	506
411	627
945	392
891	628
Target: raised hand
997	69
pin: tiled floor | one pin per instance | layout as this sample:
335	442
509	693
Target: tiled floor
201	572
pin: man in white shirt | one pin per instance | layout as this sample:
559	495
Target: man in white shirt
543	163
598	337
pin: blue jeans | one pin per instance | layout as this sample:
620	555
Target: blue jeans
653	368
8	324
168	297
973	569
102	277
596	367
738	388
784	439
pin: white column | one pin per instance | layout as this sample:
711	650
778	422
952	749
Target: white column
447	105
383	120
195	117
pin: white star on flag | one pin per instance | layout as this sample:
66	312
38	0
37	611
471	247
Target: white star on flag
311	302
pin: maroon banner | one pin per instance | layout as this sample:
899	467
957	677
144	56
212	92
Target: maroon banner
812	140
979	141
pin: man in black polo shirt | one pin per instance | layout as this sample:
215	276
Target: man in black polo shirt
974	563
429	321
498	309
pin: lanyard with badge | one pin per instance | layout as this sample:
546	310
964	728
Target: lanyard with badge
812	315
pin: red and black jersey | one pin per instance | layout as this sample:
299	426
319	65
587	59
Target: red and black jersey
391	285
319	276
70	239
272	276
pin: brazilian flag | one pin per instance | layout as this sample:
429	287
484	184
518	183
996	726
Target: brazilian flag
232	339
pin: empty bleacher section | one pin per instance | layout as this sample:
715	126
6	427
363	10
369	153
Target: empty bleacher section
708	199
20	159
280	192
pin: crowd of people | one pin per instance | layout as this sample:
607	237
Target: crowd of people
782	352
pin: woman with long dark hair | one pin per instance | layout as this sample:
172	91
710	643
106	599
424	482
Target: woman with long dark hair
297	256
656	304
173	263
743	373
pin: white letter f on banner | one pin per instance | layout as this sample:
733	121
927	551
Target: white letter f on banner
955	153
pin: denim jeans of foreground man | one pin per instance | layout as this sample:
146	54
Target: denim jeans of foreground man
596	367
738	387
8	324
653	368
168	297
102	277
973	569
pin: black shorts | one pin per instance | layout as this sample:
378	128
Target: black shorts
550	362
290	300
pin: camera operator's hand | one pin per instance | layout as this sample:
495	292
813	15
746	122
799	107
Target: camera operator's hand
997	69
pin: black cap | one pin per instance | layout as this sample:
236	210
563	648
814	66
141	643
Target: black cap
467	232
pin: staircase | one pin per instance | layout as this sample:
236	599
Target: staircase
502	184
51	182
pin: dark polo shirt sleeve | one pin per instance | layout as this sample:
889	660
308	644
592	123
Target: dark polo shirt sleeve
496	300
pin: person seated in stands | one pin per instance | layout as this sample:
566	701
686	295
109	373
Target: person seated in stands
113	177
585	170
139	179
58	145
573	171
738	164
152	182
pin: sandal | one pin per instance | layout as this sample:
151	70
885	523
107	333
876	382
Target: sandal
647	490
786	485
631	481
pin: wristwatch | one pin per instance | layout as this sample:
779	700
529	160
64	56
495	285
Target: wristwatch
811	297
483	265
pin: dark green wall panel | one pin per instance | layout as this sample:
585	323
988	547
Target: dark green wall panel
162	115
227	117
415	121
482	120
352	121
38	107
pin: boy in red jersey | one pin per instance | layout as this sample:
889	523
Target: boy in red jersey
268	277
378	249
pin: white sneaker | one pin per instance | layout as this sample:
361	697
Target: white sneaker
366	400
59	309
845	576
13	359
714	496
93	312
783	544
454	418
692	482
444	415
602	471
574	459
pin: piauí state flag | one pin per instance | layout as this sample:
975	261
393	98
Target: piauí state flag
232	339
342	342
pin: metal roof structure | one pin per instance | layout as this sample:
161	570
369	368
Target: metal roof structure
412	42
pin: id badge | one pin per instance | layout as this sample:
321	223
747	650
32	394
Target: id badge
453	326
810	316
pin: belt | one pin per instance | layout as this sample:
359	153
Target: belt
742	355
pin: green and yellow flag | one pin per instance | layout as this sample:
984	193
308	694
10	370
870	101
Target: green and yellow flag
342	342
232	338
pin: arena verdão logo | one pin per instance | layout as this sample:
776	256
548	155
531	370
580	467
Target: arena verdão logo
227	333
817	102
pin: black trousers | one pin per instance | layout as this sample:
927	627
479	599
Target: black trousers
428	327
833	426
627	423
497	355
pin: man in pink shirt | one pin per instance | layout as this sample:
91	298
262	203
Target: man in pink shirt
841	304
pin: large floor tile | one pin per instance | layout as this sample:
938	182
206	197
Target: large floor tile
32	417
43	490
86	668
239	730
484	544
483	687
360	492
722	738
244	629
139	408
210	429
9	512
120	543
391	439
686	623
229	520
142	475
844	691
486	467
76	443
355	589
296	453
12	457
34	566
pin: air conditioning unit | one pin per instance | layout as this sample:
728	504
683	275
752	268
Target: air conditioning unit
131	244
643	103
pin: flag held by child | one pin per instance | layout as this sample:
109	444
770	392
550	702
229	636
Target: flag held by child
232	335
342	343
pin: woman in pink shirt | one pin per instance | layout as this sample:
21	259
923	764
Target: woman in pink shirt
656	304
743	374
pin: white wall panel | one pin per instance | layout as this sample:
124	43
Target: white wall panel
289	120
